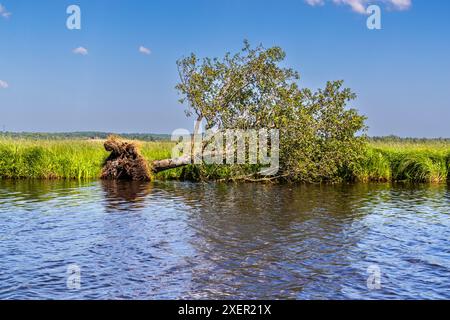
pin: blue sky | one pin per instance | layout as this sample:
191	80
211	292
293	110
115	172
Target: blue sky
400	73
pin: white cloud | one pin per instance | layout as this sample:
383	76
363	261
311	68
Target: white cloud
360	6
3	12
80	50
401	4
315	2
4	84
356	5
144	50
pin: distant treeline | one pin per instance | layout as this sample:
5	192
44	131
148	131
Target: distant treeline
393	138
83	135
165	137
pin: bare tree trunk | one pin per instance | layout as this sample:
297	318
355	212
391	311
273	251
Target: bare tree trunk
194	135
166	164
125	161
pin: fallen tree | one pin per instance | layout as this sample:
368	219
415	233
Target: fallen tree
319	137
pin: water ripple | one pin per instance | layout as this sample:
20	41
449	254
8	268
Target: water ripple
182	240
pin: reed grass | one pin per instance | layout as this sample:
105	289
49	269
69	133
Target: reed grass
405	161
63	159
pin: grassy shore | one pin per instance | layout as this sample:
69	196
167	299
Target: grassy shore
427	161
62	159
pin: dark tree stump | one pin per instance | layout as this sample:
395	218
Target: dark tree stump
125	162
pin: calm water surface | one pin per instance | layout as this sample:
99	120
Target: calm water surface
183	240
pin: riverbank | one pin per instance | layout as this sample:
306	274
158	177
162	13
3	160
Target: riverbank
64	159
427	161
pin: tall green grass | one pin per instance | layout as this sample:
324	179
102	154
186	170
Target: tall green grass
373	166
83	159
405	161
62	159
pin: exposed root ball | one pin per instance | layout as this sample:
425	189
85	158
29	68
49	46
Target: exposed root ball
125	162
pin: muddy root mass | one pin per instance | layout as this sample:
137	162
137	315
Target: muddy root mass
125	162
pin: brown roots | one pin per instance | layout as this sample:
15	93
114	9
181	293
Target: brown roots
125	162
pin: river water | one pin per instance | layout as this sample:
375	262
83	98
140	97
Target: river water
168	240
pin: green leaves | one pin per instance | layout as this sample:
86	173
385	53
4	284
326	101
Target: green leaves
236	91
250	90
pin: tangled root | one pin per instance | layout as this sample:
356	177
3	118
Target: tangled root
125	162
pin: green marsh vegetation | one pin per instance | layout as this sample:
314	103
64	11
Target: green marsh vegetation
63	159
382	161
405	160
